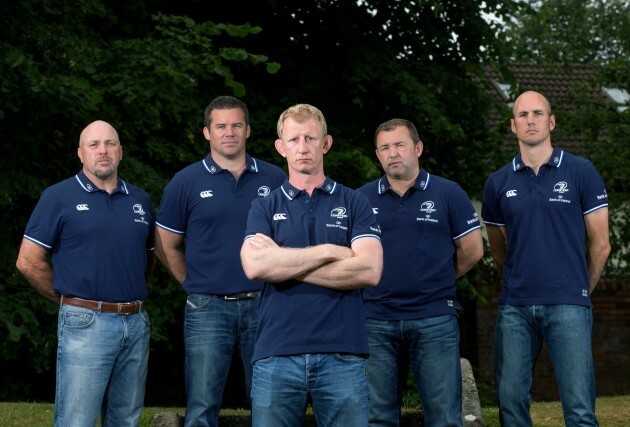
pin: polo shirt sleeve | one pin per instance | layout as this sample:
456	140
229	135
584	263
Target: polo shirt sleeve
491	208
593	194
44	226
258	220
173	211
463	217
364	224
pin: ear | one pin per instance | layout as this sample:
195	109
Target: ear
249	130
206	133
419	148
79	154
552	122
327	143
513	126
280	147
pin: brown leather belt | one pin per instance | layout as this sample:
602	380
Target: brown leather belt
105	307
240	295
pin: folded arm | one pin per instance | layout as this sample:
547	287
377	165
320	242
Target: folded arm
32	263
327	265
362	270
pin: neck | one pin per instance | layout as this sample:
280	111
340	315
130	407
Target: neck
306	182
108	184
400	186
235	165
536	156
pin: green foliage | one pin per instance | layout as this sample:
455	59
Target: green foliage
572	31
64	64
547	34
149	68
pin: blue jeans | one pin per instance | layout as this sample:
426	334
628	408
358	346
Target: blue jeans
335	382
213	327
520	332
431	347
102	361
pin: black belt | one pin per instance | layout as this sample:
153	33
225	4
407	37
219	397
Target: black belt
240	295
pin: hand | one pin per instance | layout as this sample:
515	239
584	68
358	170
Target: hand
260	241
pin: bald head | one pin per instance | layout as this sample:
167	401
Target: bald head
531	95
100	151
96	129
533	122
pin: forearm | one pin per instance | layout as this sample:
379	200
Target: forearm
174	261
351	273
469	251
277	264
39	275
463	265
597	257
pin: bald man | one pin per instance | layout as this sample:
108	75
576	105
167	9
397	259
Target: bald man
540	211
98	232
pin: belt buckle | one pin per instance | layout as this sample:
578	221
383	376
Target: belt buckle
129	304
228	298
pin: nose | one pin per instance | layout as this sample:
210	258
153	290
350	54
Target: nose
302	145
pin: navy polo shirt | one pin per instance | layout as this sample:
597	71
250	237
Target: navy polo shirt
297	317
419	230
98	241
544	219
209	206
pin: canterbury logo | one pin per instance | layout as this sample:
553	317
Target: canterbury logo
510	193
279	216
83	207
206	194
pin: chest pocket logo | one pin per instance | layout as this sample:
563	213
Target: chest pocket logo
561	187
83	207
206	194
339	213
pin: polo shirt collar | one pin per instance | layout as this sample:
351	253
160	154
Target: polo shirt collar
290	192
211	166
554	161
421	184
90	187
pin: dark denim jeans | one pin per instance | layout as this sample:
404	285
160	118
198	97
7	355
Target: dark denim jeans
431	346
520	332
335	382
213	327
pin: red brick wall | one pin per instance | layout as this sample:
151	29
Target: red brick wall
611	344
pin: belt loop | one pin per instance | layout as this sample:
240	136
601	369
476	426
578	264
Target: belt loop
140	304
60	301
100	304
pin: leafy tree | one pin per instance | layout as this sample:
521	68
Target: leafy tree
65	64
595	32
150	70
572	31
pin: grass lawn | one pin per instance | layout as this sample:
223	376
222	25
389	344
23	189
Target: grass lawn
611	412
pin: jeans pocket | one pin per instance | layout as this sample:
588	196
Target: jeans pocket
78	319
145	317
349	358
196	301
